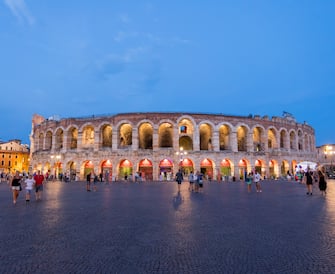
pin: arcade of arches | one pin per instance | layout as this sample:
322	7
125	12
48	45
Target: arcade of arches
211	144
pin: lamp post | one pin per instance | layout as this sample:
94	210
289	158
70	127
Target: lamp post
181	154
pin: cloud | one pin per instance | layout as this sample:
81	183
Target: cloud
124	18
20	11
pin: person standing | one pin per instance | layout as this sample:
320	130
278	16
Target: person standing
200	178
309	182
257	180
322	182
16	186
89	180
39	179
179	178
30	183
249	181
191	180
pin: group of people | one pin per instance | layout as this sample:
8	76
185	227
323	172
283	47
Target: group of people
254	177
195	180
317	177
30	183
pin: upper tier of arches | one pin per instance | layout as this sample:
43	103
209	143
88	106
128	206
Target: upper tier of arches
164	130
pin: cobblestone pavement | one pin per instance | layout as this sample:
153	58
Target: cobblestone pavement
151	228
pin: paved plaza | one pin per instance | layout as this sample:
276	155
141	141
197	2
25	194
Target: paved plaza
151	228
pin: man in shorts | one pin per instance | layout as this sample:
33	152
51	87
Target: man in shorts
39	179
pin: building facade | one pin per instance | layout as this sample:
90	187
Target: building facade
14	156
156	145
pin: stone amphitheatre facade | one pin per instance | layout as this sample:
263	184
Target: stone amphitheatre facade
156	145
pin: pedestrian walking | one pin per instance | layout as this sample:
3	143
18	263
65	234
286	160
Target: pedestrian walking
89	180
322	182
191	180
257	180
95	181
179	178
309	182
39	180
29	185
200	180
15	184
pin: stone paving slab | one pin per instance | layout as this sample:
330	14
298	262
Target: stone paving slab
151	228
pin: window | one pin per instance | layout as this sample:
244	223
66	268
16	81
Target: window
183	129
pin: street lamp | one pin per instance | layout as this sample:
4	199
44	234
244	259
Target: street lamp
329	152
181	153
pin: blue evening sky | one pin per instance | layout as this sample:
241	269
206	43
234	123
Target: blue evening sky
77	58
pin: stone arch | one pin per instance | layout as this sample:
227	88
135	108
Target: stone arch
226	168
145	135
258	135
243	165
272	138
206	136
293	140
88	135
186	142
71	168
48	140
125	134
185	132
242	137
59	139
106	135
260	167
273	169
285	168
165	134
224	136
283	138
40	145
207	167
72	137
125	169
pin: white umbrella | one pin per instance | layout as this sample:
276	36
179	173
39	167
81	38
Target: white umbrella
306	164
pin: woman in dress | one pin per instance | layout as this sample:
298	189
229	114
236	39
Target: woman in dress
322	182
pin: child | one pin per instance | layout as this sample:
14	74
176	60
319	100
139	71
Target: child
30	183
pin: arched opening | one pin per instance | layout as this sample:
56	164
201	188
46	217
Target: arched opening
186	166
224	137
145	134
205	137
48	140
59	139
125	136
145	170
73	135
165	169
242	138
165	135
225	168
107	134
107	170
88	167
88	135
125	169
242	169
257	139
186	143
206	168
